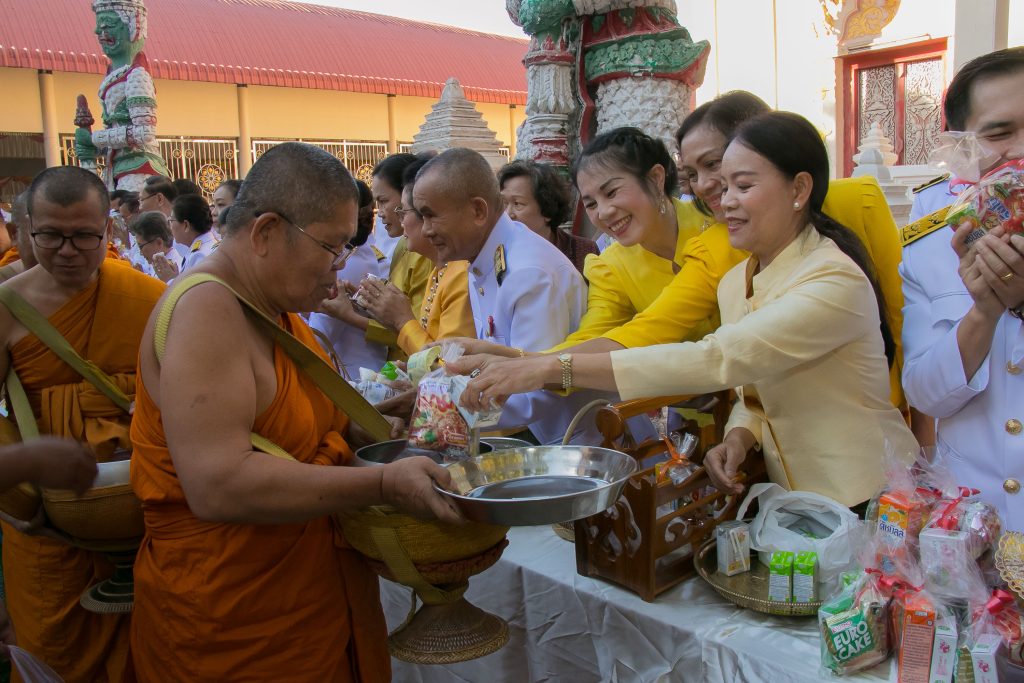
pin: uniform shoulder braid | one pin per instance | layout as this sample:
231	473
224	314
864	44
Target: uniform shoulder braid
930	183
925	225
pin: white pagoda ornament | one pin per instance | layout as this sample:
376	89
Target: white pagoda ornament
455	122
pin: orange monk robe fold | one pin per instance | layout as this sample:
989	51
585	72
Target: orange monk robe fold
252	602
104	323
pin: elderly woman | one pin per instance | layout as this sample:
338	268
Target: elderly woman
804	335
537	196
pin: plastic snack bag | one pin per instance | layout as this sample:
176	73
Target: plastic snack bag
438	423
997	199
854	627
899	512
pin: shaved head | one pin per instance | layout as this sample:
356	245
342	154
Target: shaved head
295	179
464	175
67	185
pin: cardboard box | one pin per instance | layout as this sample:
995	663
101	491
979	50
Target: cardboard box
732	540
943	651
983	657
917	637
805	577
780	576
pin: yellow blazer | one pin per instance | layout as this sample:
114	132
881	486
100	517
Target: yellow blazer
800	339
625	280
410	273
450	314
691	298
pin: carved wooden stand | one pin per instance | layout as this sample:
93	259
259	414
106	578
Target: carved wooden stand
630	544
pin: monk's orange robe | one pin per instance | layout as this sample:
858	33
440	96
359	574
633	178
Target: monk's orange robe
252	602
104	323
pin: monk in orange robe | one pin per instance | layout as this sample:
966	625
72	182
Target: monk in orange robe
101	308
242	575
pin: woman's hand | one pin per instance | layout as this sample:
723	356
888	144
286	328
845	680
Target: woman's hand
722	463
387	304
499	377
480	347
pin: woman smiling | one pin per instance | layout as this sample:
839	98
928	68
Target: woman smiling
804	336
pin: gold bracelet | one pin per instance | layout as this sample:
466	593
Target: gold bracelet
522	354
566	360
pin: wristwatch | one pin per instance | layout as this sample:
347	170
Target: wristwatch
566	360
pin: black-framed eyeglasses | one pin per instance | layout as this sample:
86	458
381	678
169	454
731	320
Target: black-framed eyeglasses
339	256
82	241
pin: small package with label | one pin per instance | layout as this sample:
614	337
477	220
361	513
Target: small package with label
983	657
943	650
854	627
780	576
913	635
805	577
733	543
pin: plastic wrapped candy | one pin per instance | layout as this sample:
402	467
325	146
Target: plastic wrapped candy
899	512
854	627
977	519
377	387
997	199
438	422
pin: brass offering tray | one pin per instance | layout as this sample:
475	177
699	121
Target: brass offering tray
750	589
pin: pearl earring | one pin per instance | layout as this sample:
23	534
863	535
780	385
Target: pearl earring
796	205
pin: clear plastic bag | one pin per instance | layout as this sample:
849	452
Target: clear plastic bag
995	200
31	669
854	626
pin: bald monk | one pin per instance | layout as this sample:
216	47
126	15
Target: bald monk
22	257
101	309
242	575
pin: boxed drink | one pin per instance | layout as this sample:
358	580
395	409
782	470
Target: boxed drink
943	651
805	577
733	542
916	638
780	576
983	657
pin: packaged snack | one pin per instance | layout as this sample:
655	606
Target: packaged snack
977	519
997	199
423	362
805	577
854	627
913	634
946	561
733	543
438	422
780	576
984	653
943	660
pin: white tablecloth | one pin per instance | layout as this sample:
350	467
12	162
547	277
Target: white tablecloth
565	628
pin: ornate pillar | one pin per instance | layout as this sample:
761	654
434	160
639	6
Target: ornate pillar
51	133
244	135
392	136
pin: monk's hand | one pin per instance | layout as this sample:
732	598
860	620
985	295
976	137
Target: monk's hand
340	307
164	269
496	378
478	347
722	463
398	406
387	304
60	463
408	485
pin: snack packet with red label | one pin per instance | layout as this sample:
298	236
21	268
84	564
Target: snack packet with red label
995	200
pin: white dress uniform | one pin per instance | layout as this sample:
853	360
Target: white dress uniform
201	247
384	243
978	418
932	196
350	342
526	294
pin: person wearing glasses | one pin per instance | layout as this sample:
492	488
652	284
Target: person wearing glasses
152	237
191	226
445	311
249	537
158	194
100	307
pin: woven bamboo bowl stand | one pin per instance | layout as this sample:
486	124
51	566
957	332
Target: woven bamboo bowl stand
436	560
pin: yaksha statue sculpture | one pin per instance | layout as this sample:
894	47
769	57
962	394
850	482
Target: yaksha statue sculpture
595	65
128	141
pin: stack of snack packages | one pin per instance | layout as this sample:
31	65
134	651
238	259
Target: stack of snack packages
928	593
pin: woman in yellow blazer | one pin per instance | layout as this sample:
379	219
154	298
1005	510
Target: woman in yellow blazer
803	333
445	310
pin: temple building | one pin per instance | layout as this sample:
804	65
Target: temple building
234	77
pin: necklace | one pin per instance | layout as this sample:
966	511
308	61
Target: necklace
428	303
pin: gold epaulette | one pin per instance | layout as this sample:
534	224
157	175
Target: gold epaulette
930	183
923	226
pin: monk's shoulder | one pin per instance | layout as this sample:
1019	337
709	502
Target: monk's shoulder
123	280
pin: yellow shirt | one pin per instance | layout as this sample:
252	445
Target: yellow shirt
801	341
691	298
447	308
626	280
410	273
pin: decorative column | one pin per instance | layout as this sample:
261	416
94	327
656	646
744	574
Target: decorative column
392	137
244	135
51	133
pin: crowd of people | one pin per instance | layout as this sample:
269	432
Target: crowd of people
738	265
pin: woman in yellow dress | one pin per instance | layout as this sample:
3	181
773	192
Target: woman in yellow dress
445	311
804	335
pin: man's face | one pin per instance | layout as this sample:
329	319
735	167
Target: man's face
997	115
151	201
454	227
74	263
153	247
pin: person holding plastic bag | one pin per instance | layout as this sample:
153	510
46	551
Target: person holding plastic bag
802	333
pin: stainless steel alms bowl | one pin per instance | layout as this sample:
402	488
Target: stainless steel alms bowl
389	451
539	485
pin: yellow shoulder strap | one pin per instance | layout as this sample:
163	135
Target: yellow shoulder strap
923	226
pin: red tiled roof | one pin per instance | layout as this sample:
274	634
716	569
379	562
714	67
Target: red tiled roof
275	42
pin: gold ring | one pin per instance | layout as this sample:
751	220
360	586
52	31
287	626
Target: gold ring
1007	277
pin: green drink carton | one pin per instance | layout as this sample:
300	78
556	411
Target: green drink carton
780	576
805	577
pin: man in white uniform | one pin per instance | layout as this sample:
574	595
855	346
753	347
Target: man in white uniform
963	338
524	292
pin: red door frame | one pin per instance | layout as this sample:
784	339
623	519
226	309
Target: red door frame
898	56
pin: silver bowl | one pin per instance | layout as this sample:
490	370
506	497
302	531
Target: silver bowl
501	442
539	485
389	451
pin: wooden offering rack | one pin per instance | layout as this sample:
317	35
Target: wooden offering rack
641	543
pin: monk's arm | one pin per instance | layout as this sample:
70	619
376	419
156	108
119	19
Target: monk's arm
208	400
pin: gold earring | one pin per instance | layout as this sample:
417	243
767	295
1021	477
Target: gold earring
663	208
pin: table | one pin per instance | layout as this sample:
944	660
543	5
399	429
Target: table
566	628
